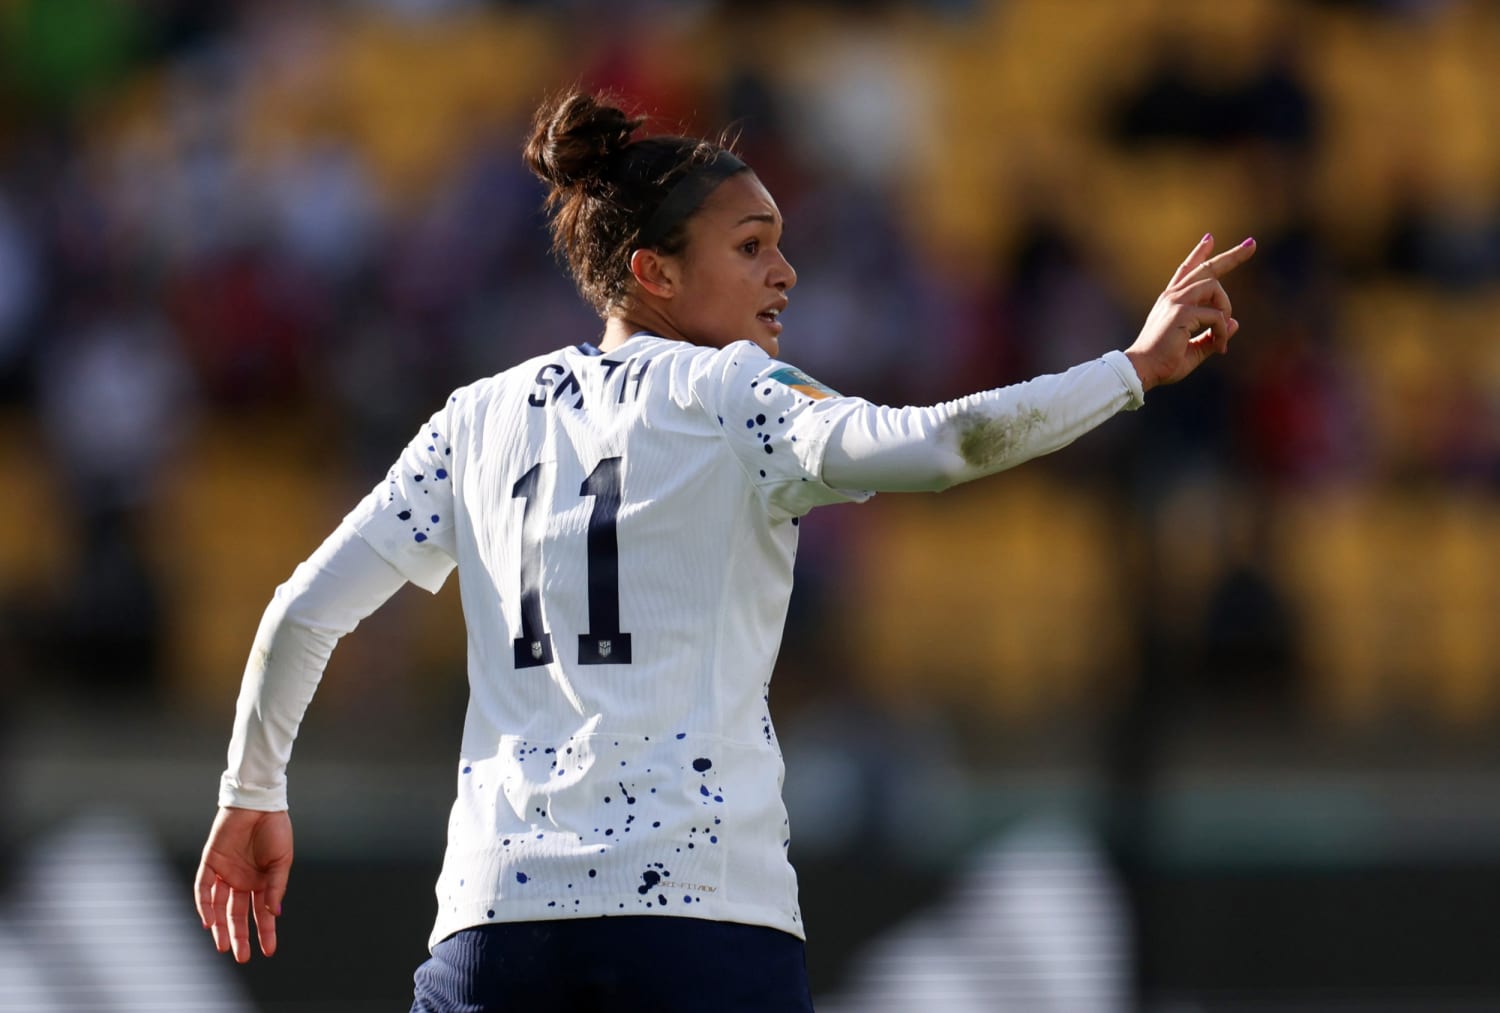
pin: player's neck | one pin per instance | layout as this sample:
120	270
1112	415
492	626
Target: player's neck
621	327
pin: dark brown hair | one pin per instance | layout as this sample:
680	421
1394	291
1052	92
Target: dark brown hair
606	185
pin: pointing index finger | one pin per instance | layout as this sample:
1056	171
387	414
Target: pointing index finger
1227	261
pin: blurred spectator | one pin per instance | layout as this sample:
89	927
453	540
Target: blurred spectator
635	50
1276	105
1064	311
1451	241
1299	420
865	314
247	322
1170	104
323	209
1246	658
1468	431
114	400
864	107
1185	98
115	404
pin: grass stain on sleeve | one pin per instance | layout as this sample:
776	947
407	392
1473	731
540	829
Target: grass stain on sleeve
984	440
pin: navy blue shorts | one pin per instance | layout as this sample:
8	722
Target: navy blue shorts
616	965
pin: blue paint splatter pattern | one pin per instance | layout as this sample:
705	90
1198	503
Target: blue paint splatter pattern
544	867
408	517
776	424
423	469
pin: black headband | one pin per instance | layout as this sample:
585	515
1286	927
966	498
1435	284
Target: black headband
687	195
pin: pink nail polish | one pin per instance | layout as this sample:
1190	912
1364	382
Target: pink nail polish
1206	237
1249	242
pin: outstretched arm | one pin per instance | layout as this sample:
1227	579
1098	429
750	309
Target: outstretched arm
931	448
249	850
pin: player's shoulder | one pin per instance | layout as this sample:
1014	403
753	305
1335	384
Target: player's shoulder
735	360
708	376
746	369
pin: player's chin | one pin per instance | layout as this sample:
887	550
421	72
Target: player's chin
767	342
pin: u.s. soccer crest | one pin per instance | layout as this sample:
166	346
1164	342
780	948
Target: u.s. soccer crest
536	649
605	646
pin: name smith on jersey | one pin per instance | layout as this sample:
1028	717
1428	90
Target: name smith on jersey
555	383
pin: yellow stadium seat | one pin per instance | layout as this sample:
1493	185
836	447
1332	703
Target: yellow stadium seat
1000	598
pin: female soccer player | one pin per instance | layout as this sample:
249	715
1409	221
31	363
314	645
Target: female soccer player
623	519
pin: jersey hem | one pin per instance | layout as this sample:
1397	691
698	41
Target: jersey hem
476	913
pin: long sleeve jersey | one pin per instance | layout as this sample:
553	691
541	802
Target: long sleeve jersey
624	527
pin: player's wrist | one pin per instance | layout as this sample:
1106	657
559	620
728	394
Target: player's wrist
1142	365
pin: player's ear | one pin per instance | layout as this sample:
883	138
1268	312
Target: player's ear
654	272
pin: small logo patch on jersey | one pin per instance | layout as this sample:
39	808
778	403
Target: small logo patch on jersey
803	384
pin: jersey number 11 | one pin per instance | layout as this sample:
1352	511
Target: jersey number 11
604	644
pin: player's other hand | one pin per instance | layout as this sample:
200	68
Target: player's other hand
1192	317
244	869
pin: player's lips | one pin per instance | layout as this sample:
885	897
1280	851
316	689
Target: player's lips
769	316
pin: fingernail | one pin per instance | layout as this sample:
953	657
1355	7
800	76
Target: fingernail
1206	237
1249	242
278	910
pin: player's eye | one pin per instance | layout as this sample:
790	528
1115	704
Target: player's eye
751	247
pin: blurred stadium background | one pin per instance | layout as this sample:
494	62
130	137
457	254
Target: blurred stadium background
1200	714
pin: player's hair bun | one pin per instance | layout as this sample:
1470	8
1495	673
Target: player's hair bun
574	138
607	187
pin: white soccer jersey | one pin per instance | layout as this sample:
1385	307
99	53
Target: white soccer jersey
624	527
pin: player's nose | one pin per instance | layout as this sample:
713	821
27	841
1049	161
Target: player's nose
783	274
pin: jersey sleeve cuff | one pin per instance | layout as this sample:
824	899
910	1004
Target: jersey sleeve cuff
1120	363
234	795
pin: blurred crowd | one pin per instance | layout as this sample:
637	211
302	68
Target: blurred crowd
257	242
